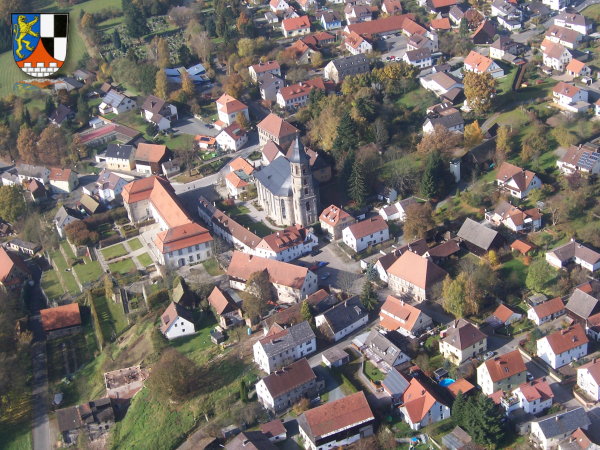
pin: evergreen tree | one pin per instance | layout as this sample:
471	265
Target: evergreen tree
434	181
135	21
482	420
243	392
463	28
26	119
116	40
49	106
184	55
368	296
357	189
458	409
83	111
346	138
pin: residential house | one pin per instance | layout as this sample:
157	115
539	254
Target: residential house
274	430
232	138
283	388
566	37
443	251
534	396
119	157
27	172
421	405
521	246
548	431
88	204
414	276
281	347
574	252
287	244
397	210
63	217
179	240
337	423
588	379
176	322
514	218
478	238
227	311
60	114
391	7
262	68
66	83
366	233
61	321
395	384
563	346
356	44
440	83
85	76
24	247
440	24
301	51
274	128
476	62
573	21
278	6
578	69
462	340
305	5
157	111
333	220
10	177
62	181
170	168
228	109
555	56
438	6
382	352
342	319
358	12
385	262
584	304
109	186
296	95
570	97
295	26
446	117
503	372
484	33
396	315
517	181
583	158
503	316
290	13
340	68
13	270
502	47
116	103
386	26
239	177
292	283
250	440
546	311
93	419
505	9
420	58
462	11
149	158
269	85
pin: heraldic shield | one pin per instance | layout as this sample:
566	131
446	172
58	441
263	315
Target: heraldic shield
40	42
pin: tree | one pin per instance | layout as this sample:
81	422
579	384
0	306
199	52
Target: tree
135	22
492	257
461	296
27	145
258	292
52	146
563	136
534	143
184	56
473	135
161	89
459	408
503	144
440	140
162	53
243	391
346	138
357	189
316	60
83	110
233	85
483	421
368	296
306	312
187	84
242	121
435	178
116	39
463	29
418	220
12	204
480	88
174	377
540	275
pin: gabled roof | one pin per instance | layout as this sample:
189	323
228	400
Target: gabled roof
477	234
418	400
389	24
153	104
295	23
566	89
151	153
486	28
60	317
563	34
463	334
416	270
57	174
277	342
584	156
575	66
266	66
503	313
181	236
441	24
242	266
119	151
10	261
549	307
574	249
585	299
367	227
395	383
536	390
460	385
276	126
332	215
171	314
563	422
382	347
285	239
273	428
230	105
505	366
593	367
336	416
395	313
289	378
478	62
562	341
251	440
345	314
221	301
444	249
235	131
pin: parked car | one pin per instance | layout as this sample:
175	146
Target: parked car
529	376
325	275
489	355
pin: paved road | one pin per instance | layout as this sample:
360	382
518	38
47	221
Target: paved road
40	426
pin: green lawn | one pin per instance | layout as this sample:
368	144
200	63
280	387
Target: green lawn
66	276
123	267
89	272
417	98
212	267
515	266
51	285
67	249
111	316
195	347
258	228
16	436
114	251
135	244
373	373
145	260
592	12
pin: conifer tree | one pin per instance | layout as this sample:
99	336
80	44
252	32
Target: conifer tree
357	189
346	138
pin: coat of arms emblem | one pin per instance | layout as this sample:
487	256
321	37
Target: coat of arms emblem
40	42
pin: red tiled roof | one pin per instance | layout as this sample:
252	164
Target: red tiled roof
273	428
564	340
282	273
478	62
10	261
59	174
266	66
276	126
536	390
291	377
151	153
521	246
463	334
280	241
60	317
566	89
295	23
418	400
503	313
521	177
221	301
461	385
368	226
332	215
390	24
416	270
405	315
575	66
505	366
443	3
548	308
181	236
441	24
229	105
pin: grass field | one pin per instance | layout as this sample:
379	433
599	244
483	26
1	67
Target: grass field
212	267
517	267
16	436
195	346
51	285
67	249
373	373
592	12
145	260
111	316
67	277
259	228
123	267
135	244
89	272
114	251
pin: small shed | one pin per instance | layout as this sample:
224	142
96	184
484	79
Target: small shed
217	337
521	246
335	357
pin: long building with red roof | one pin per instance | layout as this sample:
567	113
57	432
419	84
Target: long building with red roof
180	241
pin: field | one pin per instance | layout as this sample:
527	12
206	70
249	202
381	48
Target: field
89	272
123	267
135	244
51	285
111	316
592	12
114	251
145	260
258	228
195	346
16	436
212	267
67	249
67	277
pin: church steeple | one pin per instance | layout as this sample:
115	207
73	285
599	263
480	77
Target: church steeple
303	193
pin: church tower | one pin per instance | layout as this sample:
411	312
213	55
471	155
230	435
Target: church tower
304	199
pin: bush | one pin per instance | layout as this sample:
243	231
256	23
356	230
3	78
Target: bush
158	298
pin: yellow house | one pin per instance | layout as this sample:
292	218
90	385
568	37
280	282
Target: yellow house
461	341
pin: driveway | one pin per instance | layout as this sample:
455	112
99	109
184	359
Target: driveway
331	384
193	126
393	46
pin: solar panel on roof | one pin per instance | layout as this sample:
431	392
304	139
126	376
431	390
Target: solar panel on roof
588	160
113	98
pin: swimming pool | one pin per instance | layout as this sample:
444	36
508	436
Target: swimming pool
447	382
